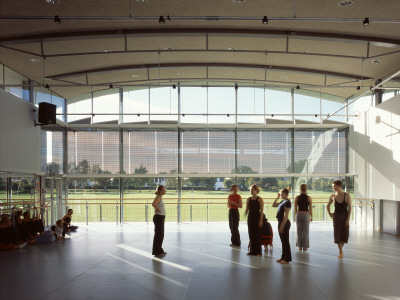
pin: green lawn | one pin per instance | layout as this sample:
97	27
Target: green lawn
195	205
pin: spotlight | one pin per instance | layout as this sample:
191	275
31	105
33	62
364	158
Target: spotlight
161	20
57	20
228	115
265	20
111	86
174	86
183	115
297	87
138	115
47	86
272	115
358	88
236	86
316	115
366	22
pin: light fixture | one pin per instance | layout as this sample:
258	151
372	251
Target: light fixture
180	73
376	61
232	49
358	88
47	86
209	55
366	22
135	76
53	1
168	49
228	73
34	60
283	77
142	1
228	115
57	19
316	115
297	87
174	86
138	115
161	20
272	115
107	50
238	1
265	20
236	86
345	3
183	115
111	86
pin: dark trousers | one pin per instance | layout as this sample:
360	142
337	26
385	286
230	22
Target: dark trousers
286	253
254	233
158	221
234	218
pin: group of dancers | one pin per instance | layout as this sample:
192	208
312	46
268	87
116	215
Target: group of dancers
259	229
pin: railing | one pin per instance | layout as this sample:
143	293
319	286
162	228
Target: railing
140	209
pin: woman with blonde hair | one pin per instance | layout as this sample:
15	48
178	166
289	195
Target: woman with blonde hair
254	207
303	217
284	224
159	220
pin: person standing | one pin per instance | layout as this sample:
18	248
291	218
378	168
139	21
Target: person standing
159	220
254	209
234	203
284	224
303	217
341	216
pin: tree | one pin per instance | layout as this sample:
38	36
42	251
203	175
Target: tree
83	167
172	182
140	182
228	183
244	182
53	168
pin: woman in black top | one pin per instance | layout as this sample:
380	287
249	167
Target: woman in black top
284	224
255	207
341	216
303	217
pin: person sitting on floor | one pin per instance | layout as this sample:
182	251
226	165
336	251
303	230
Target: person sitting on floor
8	235
58	230
67	221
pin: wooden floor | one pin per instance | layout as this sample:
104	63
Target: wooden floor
107	261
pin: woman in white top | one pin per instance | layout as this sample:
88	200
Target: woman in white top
159	220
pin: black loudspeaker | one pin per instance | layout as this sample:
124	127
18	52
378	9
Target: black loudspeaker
47	113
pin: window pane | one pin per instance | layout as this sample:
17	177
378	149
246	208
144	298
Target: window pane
80	109
306	107
194	152
16	84
106	102
221	100
250	102
164	101
194	101
279	104
329	107
136	105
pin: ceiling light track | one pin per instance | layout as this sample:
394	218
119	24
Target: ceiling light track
161	19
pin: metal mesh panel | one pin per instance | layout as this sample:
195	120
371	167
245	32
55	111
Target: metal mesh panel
93	152
194	152
276	153
221	151
320	152
157	151
52	151
264	152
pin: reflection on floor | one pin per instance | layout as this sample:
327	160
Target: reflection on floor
107	261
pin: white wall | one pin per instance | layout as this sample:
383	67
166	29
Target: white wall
375	151
19	139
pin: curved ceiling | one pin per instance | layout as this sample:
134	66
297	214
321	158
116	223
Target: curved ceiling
317	45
